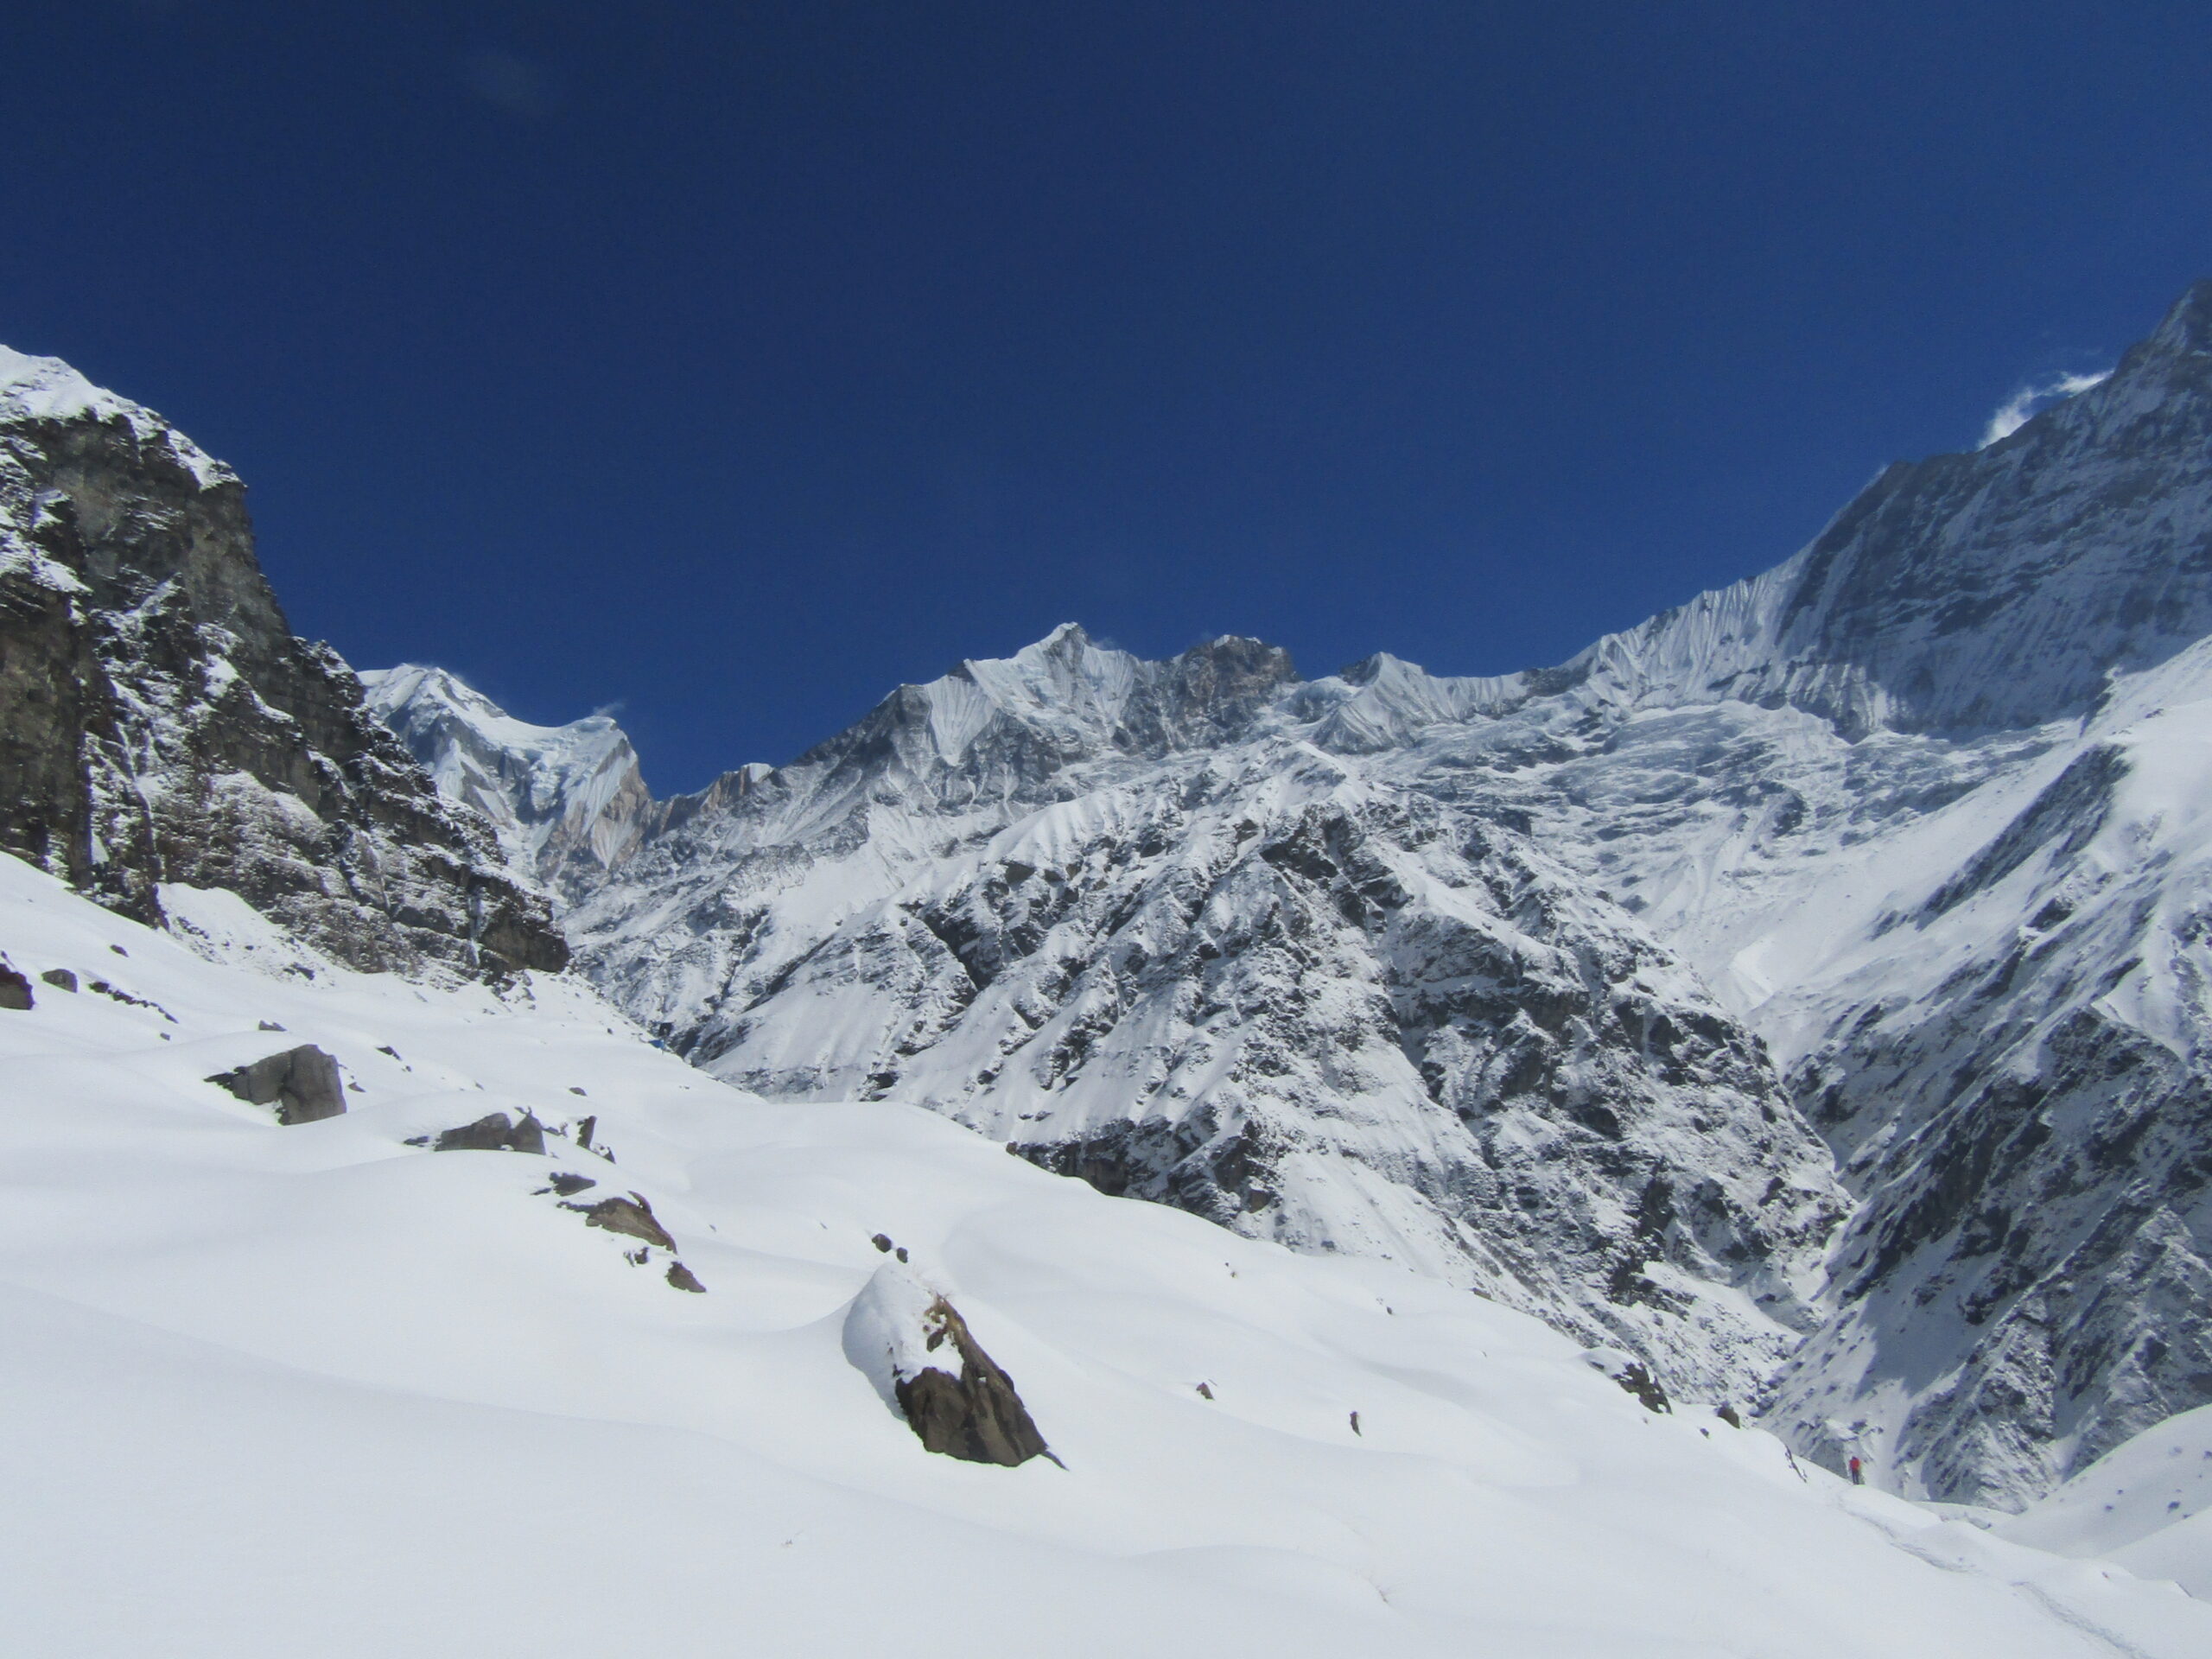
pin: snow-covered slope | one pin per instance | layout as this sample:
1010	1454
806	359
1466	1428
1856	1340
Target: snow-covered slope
315	1389
569	800
2146	1504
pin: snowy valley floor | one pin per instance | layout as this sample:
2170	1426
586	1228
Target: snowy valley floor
310	1391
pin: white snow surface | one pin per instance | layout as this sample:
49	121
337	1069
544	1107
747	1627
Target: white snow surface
2146	1504
311	1389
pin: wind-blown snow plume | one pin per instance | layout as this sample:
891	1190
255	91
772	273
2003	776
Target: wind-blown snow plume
2017	410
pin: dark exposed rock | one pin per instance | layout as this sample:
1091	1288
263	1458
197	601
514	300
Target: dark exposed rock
495	1132
908	1339
302	1083
1633	1377
683	1279
116	994
1645	1387
632	1216
60	978
568	1185
155	704
15	991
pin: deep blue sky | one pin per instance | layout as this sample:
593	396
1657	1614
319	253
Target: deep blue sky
734	363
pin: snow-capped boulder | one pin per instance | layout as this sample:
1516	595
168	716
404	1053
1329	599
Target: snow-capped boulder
903	1334
632	1216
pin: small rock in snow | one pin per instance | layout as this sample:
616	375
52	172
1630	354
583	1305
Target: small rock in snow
632	1216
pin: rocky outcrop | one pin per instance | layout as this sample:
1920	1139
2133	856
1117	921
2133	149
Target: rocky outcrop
912	1343
494	1131
160	723
632	1216
303	1084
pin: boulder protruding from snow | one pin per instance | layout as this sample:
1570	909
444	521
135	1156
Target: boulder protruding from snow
632	1216
495	1132
15	989
909	1341
302	1083
1633	1377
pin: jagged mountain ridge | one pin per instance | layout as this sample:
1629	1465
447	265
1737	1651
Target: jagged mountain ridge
1801	783
1127	918
159	724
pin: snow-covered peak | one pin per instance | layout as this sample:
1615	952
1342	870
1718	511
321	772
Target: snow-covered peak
419	693
46	389
559	794
1063	679
1388	701
1013	722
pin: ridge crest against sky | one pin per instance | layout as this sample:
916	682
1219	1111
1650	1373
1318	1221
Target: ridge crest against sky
733	364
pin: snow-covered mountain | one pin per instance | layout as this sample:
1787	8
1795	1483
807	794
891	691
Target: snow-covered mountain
159	722
1537	980
568	801
326	1388
1127	918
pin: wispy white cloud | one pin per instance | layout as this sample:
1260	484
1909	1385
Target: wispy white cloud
2014	412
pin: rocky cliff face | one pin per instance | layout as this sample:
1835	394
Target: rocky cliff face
1537	980
159	724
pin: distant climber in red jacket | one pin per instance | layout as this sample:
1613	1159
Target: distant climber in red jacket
1856	1478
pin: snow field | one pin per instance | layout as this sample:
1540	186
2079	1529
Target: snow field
276	1391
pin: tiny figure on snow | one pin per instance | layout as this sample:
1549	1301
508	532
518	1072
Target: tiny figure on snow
1858	1472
